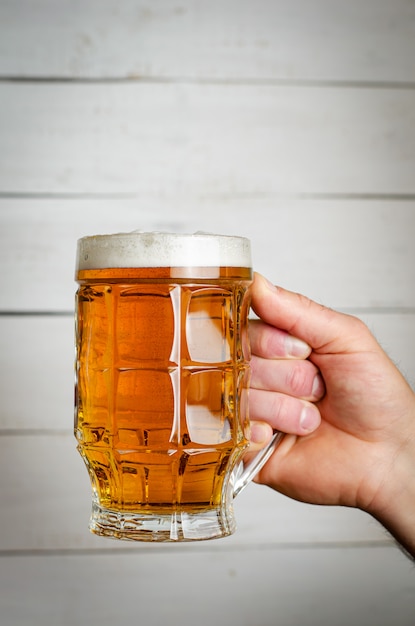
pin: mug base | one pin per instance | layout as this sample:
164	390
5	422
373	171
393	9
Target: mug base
211	523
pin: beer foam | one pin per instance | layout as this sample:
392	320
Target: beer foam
158	249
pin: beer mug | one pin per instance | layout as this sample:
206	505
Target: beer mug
162	376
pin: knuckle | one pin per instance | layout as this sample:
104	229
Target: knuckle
298	380
277	408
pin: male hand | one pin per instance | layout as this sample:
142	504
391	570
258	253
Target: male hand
321	377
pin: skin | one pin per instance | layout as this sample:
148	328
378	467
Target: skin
321	377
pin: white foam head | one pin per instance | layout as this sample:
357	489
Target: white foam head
154	249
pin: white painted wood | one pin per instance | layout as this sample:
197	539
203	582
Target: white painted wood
345	253
45	487
396	333
287	121
37	363
37	355
370	587
46	503
373	40
204	139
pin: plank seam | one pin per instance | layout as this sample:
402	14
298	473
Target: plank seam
210	80
277	546
347	196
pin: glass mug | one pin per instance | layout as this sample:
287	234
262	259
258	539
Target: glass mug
162	376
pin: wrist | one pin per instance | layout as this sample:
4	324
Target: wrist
394	503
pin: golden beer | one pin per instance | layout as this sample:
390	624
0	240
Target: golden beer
162	374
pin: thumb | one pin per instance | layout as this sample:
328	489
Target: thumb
325	330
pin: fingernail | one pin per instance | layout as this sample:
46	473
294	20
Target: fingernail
309	419
318	387
296	347
259	432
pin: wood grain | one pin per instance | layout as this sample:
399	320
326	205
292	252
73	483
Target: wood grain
345	253
265	40
370	586
46	499
203	139
287	121
37	365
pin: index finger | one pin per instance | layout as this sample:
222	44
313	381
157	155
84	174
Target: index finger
273	343
325	330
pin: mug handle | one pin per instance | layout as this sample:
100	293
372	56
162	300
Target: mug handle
257	463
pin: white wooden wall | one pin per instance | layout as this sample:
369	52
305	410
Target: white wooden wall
289	121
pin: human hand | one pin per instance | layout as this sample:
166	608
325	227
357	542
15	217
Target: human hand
362	452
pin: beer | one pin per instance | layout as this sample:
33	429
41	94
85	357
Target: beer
162	376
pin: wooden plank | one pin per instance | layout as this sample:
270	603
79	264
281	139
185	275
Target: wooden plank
37	354
396	333
204	139
37	364
46	503
240	39
374	587
346	253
